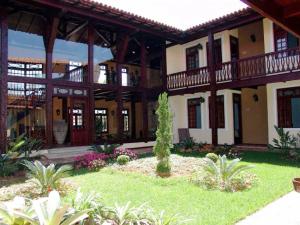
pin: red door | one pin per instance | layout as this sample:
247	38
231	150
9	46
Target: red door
79	122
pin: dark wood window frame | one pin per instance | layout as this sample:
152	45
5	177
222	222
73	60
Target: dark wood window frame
192	58
284	106
101	115
124	116
192	103
285	37
220	111
218	59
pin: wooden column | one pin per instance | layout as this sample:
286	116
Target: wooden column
49	39
3	79
90	80
213	89
122	46
143	86
164	68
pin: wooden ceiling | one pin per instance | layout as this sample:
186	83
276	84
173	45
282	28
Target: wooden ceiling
285	13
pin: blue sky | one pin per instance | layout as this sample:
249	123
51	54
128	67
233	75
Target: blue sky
182	14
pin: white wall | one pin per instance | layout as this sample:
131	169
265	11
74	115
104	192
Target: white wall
272	107
179	107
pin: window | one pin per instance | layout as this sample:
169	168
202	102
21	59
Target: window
192	58
219	111
78	116
194	113
25	69
125	115
124	76
284	40
101	119
102	74
288	105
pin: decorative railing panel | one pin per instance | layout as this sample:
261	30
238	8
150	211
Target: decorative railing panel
189	78
275	63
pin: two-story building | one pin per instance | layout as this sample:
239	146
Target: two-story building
79	72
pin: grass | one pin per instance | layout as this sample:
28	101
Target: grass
179	196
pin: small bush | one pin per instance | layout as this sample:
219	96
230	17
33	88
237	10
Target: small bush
125	151
96	165
123	159
84	161
214	157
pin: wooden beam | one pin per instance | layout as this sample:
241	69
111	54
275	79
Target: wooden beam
213	89
103	38
75	30
291	10
143	81
133	117
164	68
3	78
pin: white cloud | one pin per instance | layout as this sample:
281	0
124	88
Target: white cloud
181	14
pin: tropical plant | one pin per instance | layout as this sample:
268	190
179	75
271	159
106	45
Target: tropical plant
214	157
7	165
10	212
224	171
163	219
164	134
285	140
123	159
24	145
188	143
47	178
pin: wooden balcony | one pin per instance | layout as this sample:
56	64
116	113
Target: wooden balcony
264	68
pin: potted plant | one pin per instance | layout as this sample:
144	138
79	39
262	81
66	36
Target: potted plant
296	183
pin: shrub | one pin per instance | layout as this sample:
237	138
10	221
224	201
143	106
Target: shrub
47	178
188	143
222	175
96	164
164	134
106	149
124	151
84	161
123	159
212	156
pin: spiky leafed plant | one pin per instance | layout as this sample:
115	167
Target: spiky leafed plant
224	171
163	134
48	178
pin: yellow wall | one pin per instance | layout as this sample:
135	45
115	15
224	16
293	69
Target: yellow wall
254	116
247	47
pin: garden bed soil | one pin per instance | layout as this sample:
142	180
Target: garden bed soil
181	166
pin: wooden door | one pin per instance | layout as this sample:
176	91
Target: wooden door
79	122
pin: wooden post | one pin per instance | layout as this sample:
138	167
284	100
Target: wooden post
143	86
133	118
164	68
3	79
213	89
122	46
91	105
49	39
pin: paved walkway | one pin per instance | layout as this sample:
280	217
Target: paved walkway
283	211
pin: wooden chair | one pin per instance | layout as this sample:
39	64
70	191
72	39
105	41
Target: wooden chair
183	134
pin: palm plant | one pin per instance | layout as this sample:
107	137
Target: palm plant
47	178
224	171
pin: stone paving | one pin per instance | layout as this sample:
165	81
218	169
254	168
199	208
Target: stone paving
283	211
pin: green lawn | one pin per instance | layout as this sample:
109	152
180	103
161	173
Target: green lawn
179	196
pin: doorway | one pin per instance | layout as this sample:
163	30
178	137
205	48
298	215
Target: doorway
237	119
234	55
78	121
